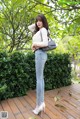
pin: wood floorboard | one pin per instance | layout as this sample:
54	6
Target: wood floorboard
61	103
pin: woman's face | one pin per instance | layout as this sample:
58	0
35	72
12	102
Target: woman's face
39	24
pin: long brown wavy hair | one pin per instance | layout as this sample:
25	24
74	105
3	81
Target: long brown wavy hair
42	18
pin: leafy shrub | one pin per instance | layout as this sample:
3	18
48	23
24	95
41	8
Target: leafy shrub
17	73
13	73
57	71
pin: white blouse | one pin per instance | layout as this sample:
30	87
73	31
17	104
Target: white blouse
42	41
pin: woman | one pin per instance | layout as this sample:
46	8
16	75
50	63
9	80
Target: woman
39	28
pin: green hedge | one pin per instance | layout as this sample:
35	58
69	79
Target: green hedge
57	71
17	73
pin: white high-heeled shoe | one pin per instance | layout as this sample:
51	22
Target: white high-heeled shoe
37	110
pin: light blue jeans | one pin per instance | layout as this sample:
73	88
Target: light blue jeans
40	59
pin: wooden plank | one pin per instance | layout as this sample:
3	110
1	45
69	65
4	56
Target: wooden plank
15	109
69	98
1	109
19	116
28	108
32	105
69	109
75	101
75	87
22	108
13	106
6	107
48	113
19	105
44	116
53	110
63	112
64	94
25	103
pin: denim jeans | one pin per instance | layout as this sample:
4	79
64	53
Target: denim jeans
40	59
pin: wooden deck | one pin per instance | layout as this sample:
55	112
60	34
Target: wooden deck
62	103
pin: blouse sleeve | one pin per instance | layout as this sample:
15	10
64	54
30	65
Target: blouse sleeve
31	27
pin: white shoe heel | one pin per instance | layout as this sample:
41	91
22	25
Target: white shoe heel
39	109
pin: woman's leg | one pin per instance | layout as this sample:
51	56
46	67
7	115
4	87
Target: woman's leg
40	60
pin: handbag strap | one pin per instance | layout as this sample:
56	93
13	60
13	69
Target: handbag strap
42	37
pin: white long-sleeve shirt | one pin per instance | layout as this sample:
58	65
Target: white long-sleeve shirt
41	41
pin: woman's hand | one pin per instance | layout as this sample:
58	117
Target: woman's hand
35	46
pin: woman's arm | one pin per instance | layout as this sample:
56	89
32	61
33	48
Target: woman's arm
31	27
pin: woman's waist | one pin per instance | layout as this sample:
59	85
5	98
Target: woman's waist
40	50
